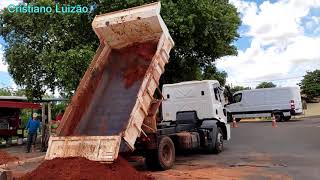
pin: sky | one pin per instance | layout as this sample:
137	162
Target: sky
5	78
279	42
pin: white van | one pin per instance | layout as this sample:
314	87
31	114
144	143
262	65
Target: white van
281	102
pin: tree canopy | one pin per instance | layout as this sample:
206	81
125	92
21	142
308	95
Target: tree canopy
266	85
52	51
11	92
239	88
5	92
310	84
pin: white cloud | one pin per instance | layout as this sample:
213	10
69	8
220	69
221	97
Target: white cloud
280	49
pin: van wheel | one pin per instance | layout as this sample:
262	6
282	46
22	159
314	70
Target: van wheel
163	158
278	116
287	118
218	148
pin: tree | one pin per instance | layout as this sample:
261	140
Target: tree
11	92
20	92
45	50
266	85
5	92
238	88
310	84
211	72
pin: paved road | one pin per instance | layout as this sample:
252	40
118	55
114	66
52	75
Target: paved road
258	151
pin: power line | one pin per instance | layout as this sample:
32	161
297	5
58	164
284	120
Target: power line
282	79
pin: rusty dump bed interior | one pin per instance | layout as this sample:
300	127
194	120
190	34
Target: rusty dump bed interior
113	100
115	96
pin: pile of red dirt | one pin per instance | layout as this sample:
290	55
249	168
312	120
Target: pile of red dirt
84	169
6	157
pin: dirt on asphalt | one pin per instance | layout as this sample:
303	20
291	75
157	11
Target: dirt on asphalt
84	169
199	169
221	173
6	157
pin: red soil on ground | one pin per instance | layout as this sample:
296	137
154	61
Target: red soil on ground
6	157
84	169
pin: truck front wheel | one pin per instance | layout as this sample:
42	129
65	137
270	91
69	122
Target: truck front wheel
216	145
219	142
163	158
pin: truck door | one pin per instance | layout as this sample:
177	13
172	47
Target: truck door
237	106
218	104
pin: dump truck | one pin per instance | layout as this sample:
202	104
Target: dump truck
115	107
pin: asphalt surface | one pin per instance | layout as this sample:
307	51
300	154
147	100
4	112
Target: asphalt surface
258	151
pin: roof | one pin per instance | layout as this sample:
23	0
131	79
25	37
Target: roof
265	89
23	98
16	98
19	105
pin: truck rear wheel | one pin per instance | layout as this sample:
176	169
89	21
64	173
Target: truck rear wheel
163	158
151	161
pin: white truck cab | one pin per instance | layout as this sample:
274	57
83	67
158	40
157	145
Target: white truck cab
205	98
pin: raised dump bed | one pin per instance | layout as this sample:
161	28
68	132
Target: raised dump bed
114	96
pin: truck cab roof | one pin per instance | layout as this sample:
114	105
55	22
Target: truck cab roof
192	82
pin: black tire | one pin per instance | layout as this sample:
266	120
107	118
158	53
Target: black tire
238	119
216	145
163	158
278	117
286	118
151	161
218	148
166	153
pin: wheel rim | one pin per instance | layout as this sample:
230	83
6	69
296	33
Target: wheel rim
278	117
166	153
220	141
